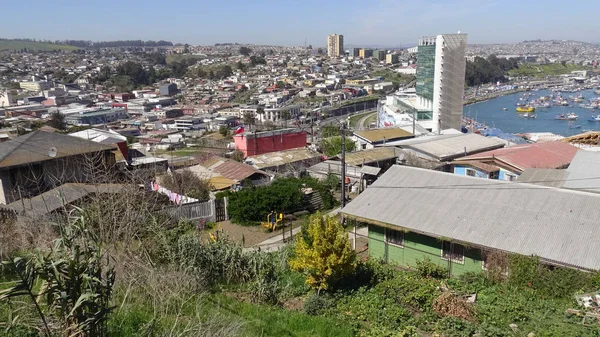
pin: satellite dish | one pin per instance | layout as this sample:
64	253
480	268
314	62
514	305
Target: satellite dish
52	152
401	157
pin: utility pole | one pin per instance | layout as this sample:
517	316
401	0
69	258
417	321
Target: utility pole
343	173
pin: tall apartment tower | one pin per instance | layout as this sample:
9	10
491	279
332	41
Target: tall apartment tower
335	45
441	78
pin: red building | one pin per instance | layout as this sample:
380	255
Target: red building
255	143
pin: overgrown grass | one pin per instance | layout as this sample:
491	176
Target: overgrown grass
551	69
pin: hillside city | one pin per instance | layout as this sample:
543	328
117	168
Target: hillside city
151	188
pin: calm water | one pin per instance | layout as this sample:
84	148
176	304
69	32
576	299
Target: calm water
492	114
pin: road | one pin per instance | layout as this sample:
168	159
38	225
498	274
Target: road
361	122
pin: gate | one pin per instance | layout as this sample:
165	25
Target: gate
221	209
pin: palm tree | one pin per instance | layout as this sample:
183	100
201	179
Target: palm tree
285	115
260	111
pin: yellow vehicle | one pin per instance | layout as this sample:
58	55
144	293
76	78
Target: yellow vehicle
273	219
525	109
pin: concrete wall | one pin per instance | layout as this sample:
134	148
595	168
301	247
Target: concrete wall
418	247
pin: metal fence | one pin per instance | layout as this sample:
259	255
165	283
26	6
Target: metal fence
193	211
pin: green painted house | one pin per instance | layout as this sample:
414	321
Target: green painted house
456	221
406	248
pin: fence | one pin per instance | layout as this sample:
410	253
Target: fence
212	210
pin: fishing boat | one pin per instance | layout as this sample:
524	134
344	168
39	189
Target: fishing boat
504	109
567	117
529	116
525	109
574	126
594	118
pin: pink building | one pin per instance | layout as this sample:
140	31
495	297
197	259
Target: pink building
255	143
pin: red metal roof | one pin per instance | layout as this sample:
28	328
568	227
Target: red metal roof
539	155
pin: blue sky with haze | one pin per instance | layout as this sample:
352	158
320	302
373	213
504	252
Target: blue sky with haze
289	22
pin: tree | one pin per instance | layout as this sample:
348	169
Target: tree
237	155
186	49
323	253
187	183
320	51
260	111
249	118
245	51
58	121
256	60
224	130
332	146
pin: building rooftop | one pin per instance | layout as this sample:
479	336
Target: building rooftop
558	225
35	147
539	155
450	146
382	135
100	136
279	132
280	158
370	156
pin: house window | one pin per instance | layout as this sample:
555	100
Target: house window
509	177
453	251
395	238
471	172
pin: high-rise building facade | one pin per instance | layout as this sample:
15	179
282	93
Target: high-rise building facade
356	52
335	45
365	53
379	54
441	78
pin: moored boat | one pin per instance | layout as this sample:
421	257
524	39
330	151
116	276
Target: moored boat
525	109
594	118
567	117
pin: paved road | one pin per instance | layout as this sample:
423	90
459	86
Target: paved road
361	123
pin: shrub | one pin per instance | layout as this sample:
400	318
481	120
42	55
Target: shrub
317	304
454	327
264	288
328	257
427	268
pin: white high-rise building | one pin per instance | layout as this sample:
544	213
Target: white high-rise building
335	45
441	78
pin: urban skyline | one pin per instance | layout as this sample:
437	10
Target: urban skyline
383	22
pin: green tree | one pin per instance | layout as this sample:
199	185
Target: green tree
320	51
58	121
332	146
260	111
249	119
224	130
237	155
326	256
186	183
245	51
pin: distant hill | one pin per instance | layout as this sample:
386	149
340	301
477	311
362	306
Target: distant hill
11	45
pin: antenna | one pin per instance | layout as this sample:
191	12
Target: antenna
52	152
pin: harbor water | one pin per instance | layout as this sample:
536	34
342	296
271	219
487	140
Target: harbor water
492	114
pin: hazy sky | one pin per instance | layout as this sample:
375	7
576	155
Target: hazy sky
290	22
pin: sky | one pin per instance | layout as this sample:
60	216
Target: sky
292	22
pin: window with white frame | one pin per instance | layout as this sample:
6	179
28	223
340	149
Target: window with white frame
393	237
453	251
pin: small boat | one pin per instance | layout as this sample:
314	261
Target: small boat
525	109
577	126
529	116
595	118
504	109
567	117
